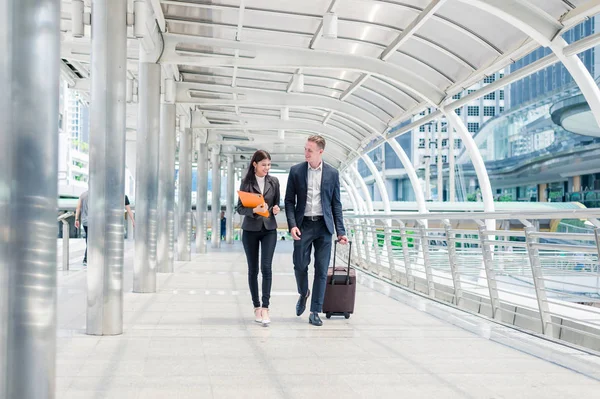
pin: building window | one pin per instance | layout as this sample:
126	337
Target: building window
501	95
491	96
444	159
489	79
501	75
501	109
472	111
444	127
422	128
457	110
422	112
456	96
444	143
457	144
471	91
489	111
473	127
421	143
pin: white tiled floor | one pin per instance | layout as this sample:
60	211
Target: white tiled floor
196	338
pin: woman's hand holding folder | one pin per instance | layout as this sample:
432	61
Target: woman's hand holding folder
254	201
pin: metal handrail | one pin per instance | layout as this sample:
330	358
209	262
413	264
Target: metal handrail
546	282
65	234
590	214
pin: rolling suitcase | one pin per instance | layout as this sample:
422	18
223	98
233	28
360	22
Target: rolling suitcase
340	290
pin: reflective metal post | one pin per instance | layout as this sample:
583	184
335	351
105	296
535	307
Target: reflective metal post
184	248
166	189
146	187
451	240
490	274
410	280
107	168
201	199
230	198
538	278
29	77
216	197
426	261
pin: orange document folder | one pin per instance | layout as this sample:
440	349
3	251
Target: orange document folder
252	200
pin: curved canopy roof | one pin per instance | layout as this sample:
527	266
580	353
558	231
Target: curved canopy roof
238	62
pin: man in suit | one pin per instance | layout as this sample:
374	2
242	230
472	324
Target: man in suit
314	213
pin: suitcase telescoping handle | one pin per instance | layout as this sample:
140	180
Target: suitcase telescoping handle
335	256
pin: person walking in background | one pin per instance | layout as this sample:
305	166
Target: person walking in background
128	209
314	213
260	232
223	225
81	219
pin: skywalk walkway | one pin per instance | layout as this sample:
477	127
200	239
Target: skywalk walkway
196	338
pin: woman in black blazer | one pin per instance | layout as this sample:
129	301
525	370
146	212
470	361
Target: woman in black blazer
259	230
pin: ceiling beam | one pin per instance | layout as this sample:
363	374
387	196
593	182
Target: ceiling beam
412	28
270	55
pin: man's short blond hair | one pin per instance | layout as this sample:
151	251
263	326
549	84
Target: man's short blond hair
318	140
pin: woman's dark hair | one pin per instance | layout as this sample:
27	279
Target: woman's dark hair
258	156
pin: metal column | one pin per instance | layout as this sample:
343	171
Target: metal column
146	187
184	245
29	76
216	198
201	199
166	189
107	168
230	198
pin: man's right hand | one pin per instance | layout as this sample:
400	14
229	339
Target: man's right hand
77	224
295	233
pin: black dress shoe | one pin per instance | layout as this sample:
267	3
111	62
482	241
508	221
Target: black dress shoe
314	319
301	304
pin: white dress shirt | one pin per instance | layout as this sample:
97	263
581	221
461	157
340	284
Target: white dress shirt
261	183
313	195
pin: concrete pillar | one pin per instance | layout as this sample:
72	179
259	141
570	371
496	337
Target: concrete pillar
146	188
201	199
184	245
216	198
576	184
230	198
29	78
107	168
166	189
542	194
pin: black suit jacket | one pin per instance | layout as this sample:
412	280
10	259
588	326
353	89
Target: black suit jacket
297	191
272	196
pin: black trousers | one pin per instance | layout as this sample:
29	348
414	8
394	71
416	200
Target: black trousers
266	240
86	234
314	234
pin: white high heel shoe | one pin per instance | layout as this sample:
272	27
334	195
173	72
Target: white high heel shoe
265	317
258	315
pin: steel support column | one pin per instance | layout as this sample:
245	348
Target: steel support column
478	164
146	187
412	174
230	198
216	197
184	247
166	189
387	222
201	199
107	168
29	77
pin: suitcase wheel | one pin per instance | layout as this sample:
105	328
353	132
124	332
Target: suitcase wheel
347	315
328	315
